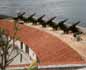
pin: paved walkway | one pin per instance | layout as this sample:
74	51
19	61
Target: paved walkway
49	45
79	46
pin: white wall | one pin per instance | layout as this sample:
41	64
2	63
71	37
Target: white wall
27	58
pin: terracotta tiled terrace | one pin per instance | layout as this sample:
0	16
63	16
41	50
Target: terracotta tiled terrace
49	48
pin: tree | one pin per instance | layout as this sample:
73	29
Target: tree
6	49
9	51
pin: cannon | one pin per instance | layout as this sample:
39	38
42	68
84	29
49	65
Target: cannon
30	18
50	20
74	25
60	24
20	15
44	24
73	28
38	19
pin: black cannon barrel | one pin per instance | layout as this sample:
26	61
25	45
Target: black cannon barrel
74	25
41	21
48	22
51	19
20	14
32	15
73	28
40	18
30	18
62	22
62	26
37	20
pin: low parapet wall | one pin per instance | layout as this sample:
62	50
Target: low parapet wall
63	67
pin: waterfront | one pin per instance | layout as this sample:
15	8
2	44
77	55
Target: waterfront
72	9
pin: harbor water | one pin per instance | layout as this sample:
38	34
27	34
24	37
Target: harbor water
73	9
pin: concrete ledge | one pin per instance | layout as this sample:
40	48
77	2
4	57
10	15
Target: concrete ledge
64	67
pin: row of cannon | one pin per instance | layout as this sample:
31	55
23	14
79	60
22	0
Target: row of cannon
66	29
50	23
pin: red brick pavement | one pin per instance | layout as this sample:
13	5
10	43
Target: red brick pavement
49	49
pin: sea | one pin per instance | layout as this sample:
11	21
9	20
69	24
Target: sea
74	10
